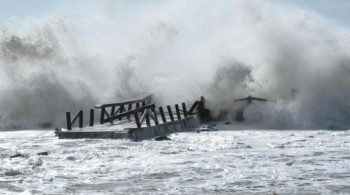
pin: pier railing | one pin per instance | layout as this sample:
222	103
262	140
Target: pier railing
121	107
140	110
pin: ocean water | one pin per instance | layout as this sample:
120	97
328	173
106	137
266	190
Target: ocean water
217	162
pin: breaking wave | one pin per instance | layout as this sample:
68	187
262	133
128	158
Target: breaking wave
177	51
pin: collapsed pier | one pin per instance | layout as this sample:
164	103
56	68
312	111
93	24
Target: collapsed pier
136	120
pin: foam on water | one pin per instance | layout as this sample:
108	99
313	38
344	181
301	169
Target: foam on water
224	162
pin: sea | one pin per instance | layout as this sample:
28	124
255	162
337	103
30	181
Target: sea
210	162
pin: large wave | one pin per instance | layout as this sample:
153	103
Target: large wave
178	51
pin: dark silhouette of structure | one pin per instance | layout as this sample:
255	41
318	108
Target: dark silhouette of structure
294	93
249	99
204	113
162	138
240	112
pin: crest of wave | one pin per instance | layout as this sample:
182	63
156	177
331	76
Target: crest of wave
178	51
46	71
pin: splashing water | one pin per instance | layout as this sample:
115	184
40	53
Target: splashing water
177	51
222	162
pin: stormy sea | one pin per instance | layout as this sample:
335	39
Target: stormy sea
71	56
220	162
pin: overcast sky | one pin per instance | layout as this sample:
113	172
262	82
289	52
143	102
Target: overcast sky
336	10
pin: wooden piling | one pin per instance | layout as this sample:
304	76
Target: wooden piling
129	108
81	121
184	109
92	117
170	113
177	112
121	110
147	119
68	119
161	112
71	122
102	117
137	120
143	116
112	110
193	107
155	116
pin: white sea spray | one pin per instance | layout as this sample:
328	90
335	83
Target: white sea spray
92	53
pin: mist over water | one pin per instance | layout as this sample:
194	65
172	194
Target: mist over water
178	51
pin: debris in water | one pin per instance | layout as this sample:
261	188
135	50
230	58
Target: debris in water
12	172
162	138
43	153
16	155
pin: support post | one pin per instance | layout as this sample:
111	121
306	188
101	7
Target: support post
68	119
137	120
102	117
147	119
170	113
121	111
143	116
155	116
129	108
177	112
184	109
92	117
71	122
193	107
81	121
161	111
112	110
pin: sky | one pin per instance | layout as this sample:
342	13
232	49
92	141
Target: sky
334	10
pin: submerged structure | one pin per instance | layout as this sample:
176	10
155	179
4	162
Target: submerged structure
248	100
134	119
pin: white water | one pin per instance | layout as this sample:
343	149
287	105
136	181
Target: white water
87	53
222	162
